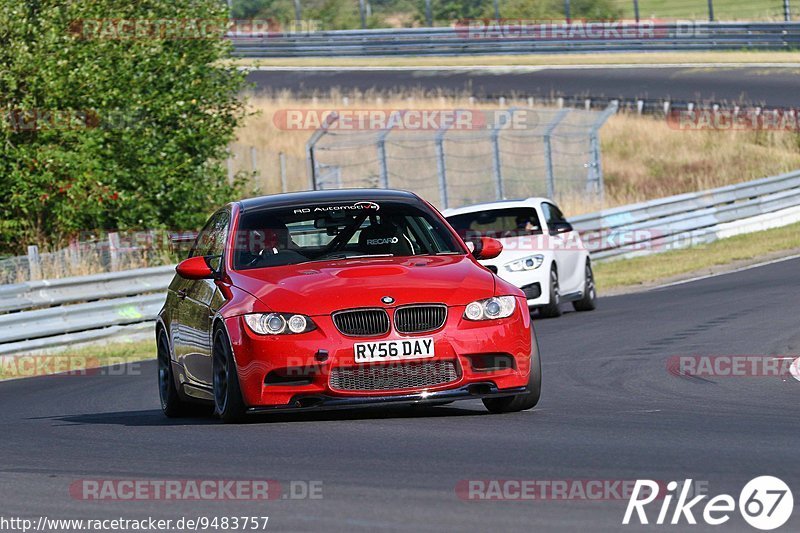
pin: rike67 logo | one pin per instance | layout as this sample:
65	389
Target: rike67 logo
765	503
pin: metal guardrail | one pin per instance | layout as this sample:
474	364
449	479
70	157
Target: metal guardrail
129	301
689	219
21	296
461	40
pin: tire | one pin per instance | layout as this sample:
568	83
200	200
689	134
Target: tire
228	403
552	310
521	402
171	403
589	300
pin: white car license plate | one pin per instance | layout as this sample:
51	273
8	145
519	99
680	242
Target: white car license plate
369	352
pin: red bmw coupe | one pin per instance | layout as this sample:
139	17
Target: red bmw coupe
338	299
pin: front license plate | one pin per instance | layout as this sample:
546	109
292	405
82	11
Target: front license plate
368	352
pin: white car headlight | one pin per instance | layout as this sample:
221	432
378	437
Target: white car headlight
278	323
491	308
526	263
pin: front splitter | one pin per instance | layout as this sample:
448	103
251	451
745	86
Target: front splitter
320	402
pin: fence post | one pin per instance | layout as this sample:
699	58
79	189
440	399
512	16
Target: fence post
440	167
282	163
311	143
34	262
113	250
74	254
636	10
787	14
298	11
428	14
253	159
381	144
595	174
567	15
711	10
497	9
548	151
363	14
229	163
497	167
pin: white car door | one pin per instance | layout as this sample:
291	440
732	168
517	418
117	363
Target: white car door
566	245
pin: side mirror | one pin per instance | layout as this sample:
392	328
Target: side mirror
194	268
560	227
487	248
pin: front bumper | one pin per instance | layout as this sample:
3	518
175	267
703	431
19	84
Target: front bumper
467	345
303	402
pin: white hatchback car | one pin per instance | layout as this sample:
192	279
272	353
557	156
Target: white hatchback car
542	254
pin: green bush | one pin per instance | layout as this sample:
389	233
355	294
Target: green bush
149	119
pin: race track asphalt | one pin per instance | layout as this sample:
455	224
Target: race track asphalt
776	87
610	411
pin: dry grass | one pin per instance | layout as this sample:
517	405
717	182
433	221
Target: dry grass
76	361
642	156
651	268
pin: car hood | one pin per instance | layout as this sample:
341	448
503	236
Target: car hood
320	288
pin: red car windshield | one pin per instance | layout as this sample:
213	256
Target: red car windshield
300	234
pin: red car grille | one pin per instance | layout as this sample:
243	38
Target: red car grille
362	322
419	318
394	376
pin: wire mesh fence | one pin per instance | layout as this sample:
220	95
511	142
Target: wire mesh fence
111	252
269	172
310	15
513	153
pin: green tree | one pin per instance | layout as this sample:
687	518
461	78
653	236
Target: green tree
105	129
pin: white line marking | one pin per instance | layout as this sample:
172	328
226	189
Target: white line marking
706	276
501	69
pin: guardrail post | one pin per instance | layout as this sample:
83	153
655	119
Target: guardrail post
787	15
362	13
636	10
567	10
34	262
282	162
548	151
310	145
496	9
711	10
428	14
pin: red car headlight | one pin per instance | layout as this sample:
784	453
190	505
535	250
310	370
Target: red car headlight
278	323
491	308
